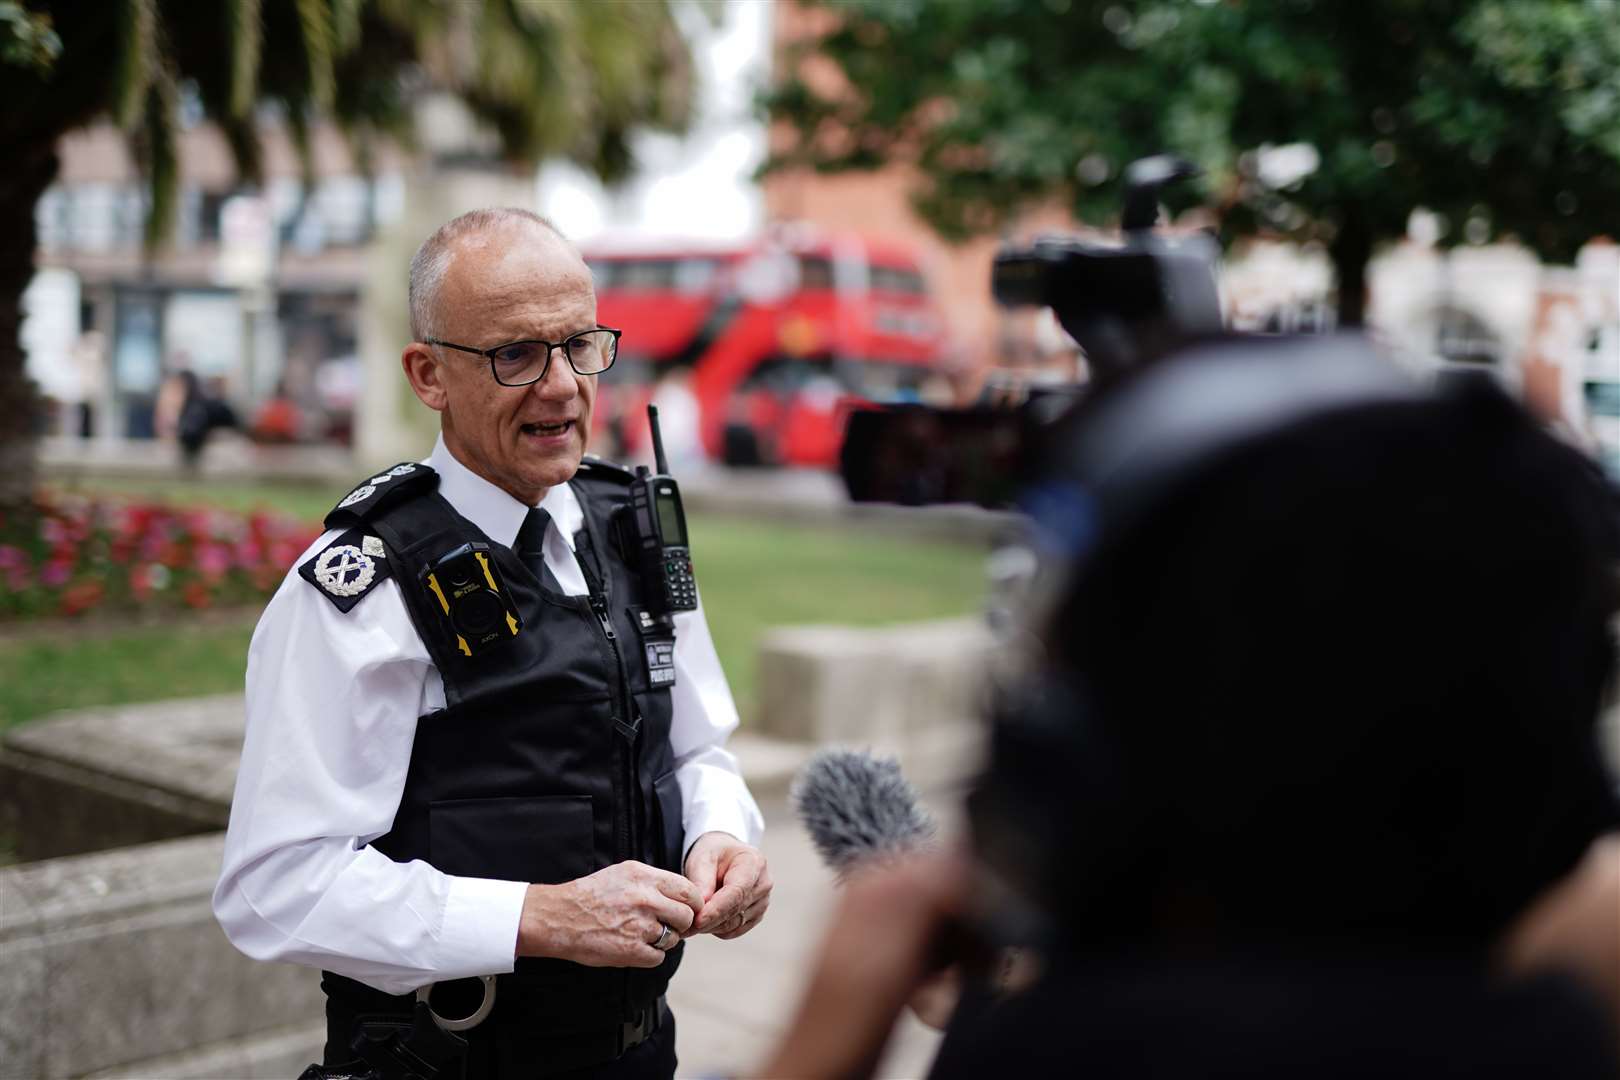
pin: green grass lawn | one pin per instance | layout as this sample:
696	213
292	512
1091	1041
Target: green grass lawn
55	671
308	502
754	573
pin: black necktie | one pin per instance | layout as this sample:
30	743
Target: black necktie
530	542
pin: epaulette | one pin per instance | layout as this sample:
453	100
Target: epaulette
592	467
348	568
385	489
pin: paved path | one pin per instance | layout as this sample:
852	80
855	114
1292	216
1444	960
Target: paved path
733	998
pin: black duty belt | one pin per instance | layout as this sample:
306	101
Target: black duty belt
395	1038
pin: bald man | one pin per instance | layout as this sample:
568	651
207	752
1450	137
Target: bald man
492	822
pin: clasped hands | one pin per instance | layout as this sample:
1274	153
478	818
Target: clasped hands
617	916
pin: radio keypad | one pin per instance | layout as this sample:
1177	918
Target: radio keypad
679	583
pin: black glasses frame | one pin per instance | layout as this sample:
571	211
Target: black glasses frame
545	369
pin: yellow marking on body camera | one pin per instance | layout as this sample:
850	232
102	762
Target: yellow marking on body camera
433	583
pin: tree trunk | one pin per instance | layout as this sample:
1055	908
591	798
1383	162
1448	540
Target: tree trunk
23	180
1350	250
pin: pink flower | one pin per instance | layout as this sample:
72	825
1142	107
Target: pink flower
55	574
248	554
213	561
11	557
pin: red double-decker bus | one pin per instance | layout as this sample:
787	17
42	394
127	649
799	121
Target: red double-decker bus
779	338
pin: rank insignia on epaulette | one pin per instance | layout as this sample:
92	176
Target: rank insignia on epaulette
371	497
348	568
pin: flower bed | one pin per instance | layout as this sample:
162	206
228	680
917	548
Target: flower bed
71	555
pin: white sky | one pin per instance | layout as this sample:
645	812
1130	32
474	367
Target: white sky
698	185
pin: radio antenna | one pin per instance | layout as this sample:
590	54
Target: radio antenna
658	441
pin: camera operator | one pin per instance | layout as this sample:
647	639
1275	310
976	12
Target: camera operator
1312	726
1301	775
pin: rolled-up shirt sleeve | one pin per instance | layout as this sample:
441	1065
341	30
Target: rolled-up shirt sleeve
713	795
332	703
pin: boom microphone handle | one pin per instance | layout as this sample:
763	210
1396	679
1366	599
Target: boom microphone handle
658	441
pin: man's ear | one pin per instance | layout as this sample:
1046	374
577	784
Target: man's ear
426	375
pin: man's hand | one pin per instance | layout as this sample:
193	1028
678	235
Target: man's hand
613	918
733	881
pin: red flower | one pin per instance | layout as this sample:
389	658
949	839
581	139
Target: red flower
197	595
81	596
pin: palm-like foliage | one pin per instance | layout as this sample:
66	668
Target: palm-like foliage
570	77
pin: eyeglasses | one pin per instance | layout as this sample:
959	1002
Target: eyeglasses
519	363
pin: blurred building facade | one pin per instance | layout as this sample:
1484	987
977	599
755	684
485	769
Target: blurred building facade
257	291
303	292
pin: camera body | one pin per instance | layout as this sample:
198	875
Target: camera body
1124	302
1121	301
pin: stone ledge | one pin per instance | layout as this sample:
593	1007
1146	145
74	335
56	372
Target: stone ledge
871	686
273	1055
187	748
120	960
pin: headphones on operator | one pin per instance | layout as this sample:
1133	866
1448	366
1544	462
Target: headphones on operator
1083	809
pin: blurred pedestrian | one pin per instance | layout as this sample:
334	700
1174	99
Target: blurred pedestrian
679	420
187	413
90	368
278	420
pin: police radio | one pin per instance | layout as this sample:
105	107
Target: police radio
655	533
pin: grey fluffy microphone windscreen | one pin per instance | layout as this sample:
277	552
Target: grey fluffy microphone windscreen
858	808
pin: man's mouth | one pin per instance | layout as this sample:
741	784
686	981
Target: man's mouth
546	431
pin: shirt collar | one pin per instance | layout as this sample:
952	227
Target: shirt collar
492	509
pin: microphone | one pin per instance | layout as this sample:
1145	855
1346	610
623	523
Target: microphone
858	809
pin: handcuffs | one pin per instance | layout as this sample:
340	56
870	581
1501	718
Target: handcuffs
478	1015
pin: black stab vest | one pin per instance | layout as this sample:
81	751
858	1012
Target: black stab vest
551	758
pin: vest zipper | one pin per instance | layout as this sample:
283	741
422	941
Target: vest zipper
629	792
629	796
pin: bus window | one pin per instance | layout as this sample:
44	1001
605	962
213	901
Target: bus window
876	380
647	274
696	275
784	376
815	272
895	280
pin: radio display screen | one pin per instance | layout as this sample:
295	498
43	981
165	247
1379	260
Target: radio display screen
669	519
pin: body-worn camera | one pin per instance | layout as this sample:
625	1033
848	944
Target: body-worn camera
468	587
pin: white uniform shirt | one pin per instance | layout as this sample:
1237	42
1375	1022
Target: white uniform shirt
332	704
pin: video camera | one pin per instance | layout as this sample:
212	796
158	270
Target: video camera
1123	302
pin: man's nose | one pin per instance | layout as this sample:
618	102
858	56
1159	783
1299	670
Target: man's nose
559	383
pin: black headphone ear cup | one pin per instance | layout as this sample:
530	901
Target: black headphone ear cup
1057	814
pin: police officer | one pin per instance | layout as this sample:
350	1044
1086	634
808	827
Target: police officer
551	802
